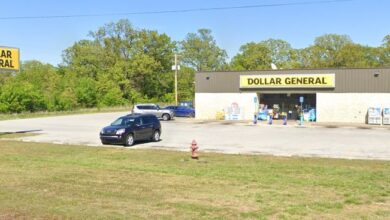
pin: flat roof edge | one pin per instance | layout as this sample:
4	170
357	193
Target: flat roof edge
251	71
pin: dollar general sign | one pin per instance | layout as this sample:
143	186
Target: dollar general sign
288	81
9	58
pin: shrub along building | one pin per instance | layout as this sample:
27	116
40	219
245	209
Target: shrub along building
337	95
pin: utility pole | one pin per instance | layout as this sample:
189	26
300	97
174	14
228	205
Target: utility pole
176	79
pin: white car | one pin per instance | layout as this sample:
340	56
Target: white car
165	114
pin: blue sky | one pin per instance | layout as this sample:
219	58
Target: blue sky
365	21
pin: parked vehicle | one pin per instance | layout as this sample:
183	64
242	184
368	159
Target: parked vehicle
165	114
182	111
130	128
186	103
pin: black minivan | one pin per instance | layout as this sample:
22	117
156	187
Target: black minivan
130	128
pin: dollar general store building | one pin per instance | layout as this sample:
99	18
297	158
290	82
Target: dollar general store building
338	95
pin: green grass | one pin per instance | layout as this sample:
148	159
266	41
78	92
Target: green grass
59	113
58	181
71	112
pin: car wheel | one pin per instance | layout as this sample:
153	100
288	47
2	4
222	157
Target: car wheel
129	140
156	136
166	117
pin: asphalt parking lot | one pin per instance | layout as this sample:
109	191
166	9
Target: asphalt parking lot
239	138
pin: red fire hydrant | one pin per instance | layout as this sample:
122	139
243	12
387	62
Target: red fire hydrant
194	150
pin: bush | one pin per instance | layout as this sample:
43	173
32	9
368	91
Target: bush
66	100
19	97
112	98
86	92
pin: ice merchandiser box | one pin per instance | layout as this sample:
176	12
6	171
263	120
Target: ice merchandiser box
386	116
374	115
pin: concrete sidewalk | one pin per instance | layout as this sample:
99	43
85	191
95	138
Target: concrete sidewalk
290	123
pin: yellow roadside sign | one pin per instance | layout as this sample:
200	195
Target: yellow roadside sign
9	58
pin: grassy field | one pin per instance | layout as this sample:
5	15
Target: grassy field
58	113
58	181
72	112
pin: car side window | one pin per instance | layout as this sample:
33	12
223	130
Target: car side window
139	121
127	121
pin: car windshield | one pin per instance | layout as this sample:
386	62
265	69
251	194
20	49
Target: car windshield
123	121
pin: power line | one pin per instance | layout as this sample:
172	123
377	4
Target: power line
173	11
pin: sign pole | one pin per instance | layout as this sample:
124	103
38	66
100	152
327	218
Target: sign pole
175	79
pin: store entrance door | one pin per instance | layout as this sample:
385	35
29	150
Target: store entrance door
286	104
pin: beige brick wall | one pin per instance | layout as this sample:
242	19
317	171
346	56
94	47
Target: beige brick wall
348	107
331	107
207	104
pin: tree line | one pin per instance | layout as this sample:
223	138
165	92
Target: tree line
120	65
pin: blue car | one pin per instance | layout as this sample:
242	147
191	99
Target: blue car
182	111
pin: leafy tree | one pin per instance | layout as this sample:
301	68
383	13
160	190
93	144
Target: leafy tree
158	46
44	79
386	41
252	56
200	51
326	49
144	75
66	99
109	93
355	55
4	77
137	59
133	61
304	57
86	92
117	39
86	58
282	54
185	85
121	64
385	51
